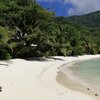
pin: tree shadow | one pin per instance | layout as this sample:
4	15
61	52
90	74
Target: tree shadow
37	59
43	59
56	58
4	64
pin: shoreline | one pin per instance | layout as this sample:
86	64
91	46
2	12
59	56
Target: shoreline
68	80
71	84
37	79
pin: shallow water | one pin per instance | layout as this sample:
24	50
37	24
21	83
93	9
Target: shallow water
88	71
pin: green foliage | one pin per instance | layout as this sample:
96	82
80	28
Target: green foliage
88	20
5	48
4	55
27	30
3	34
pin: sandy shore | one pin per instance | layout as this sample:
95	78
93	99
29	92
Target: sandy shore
37	80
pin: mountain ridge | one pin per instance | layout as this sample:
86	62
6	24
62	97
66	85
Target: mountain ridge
89	20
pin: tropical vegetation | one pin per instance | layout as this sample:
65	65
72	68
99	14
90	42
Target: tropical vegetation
28	30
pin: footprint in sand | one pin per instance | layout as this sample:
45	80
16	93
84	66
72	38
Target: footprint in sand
96	94
0	89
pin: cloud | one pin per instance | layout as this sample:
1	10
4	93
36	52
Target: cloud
78	7
82	6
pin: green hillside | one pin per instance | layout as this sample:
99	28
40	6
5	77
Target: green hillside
88	20
28	30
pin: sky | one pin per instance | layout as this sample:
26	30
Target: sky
70	7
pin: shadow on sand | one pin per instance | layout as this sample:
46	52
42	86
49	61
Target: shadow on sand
5	63
43	59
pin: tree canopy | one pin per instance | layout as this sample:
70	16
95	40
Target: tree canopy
28	30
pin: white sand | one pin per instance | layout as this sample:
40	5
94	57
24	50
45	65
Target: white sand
36	80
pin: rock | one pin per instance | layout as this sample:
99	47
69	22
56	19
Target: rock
88	89
0	89
96	94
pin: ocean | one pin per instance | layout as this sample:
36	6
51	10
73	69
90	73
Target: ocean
88	71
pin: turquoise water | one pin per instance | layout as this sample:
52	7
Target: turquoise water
88	70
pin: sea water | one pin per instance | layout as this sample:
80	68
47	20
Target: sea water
88	71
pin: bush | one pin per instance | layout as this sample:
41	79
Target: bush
4	55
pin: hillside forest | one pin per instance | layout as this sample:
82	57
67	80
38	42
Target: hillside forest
29	30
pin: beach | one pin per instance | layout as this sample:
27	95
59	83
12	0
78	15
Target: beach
41	79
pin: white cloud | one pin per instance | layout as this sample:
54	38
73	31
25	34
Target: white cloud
79	6
82	6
